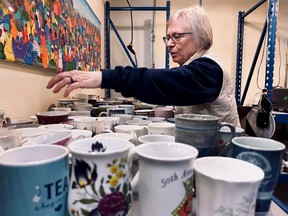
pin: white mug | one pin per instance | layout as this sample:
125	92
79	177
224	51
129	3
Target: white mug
155	138
100	179
226	186
164	128
165	178
123	118
129	108
135	130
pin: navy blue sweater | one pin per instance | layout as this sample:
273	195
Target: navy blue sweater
196	83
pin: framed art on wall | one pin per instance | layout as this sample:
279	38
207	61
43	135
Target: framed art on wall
61	35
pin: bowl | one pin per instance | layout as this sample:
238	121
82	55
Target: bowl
52	117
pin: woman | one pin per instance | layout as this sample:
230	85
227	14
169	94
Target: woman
199	85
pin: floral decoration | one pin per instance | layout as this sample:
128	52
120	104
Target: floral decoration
112	197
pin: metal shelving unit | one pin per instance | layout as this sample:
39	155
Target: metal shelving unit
269	27
109	23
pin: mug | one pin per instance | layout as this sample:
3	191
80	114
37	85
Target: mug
110	122
268	155
61	138
135	130
9	139
34	181
123	118
99	109
80	134
94	124
200	131
2	117
226	186
28	133
155	138
225	136
111	111
165	178
164	128
100	182
129	108
138	121
125	136
164	112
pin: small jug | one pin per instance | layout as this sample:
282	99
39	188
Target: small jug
100	179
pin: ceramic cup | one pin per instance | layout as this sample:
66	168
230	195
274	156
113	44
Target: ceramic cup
34	181
111	111
129	108
102	108
200	131
9	139
138	121
61	138
94	124
110	122
80	134
123	118
28	133
100	182
155	138
225	136
164	128
165	112
135	130
56	127
226	186
125	136
2	117
268	155
165	178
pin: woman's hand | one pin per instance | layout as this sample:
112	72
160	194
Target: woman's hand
75	79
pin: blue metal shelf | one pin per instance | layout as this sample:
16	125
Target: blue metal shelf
109	23
270	25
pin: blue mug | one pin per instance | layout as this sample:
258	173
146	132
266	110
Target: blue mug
34	181
200	131
266	154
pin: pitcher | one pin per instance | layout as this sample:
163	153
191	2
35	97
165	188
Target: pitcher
99	183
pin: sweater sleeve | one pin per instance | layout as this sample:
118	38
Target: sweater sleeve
197	83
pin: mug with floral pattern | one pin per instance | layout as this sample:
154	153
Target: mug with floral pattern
99	183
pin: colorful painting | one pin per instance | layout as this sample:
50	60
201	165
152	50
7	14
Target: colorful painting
61	35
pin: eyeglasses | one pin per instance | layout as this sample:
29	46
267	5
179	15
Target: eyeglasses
175	37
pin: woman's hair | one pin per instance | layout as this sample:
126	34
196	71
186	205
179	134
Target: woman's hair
198	23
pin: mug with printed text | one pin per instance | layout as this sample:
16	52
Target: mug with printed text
34	181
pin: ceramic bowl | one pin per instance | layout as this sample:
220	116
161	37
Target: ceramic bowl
52	117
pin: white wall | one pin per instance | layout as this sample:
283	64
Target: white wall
23	89
224	19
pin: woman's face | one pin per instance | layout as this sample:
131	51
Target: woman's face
183	49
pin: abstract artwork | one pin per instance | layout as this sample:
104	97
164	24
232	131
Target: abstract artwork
61	35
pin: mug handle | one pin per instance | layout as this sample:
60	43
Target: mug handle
134	181
135	139
103	114
232	135
1	149
25	140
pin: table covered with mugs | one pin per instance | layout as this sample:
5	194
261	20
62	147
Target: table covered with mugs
193	165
